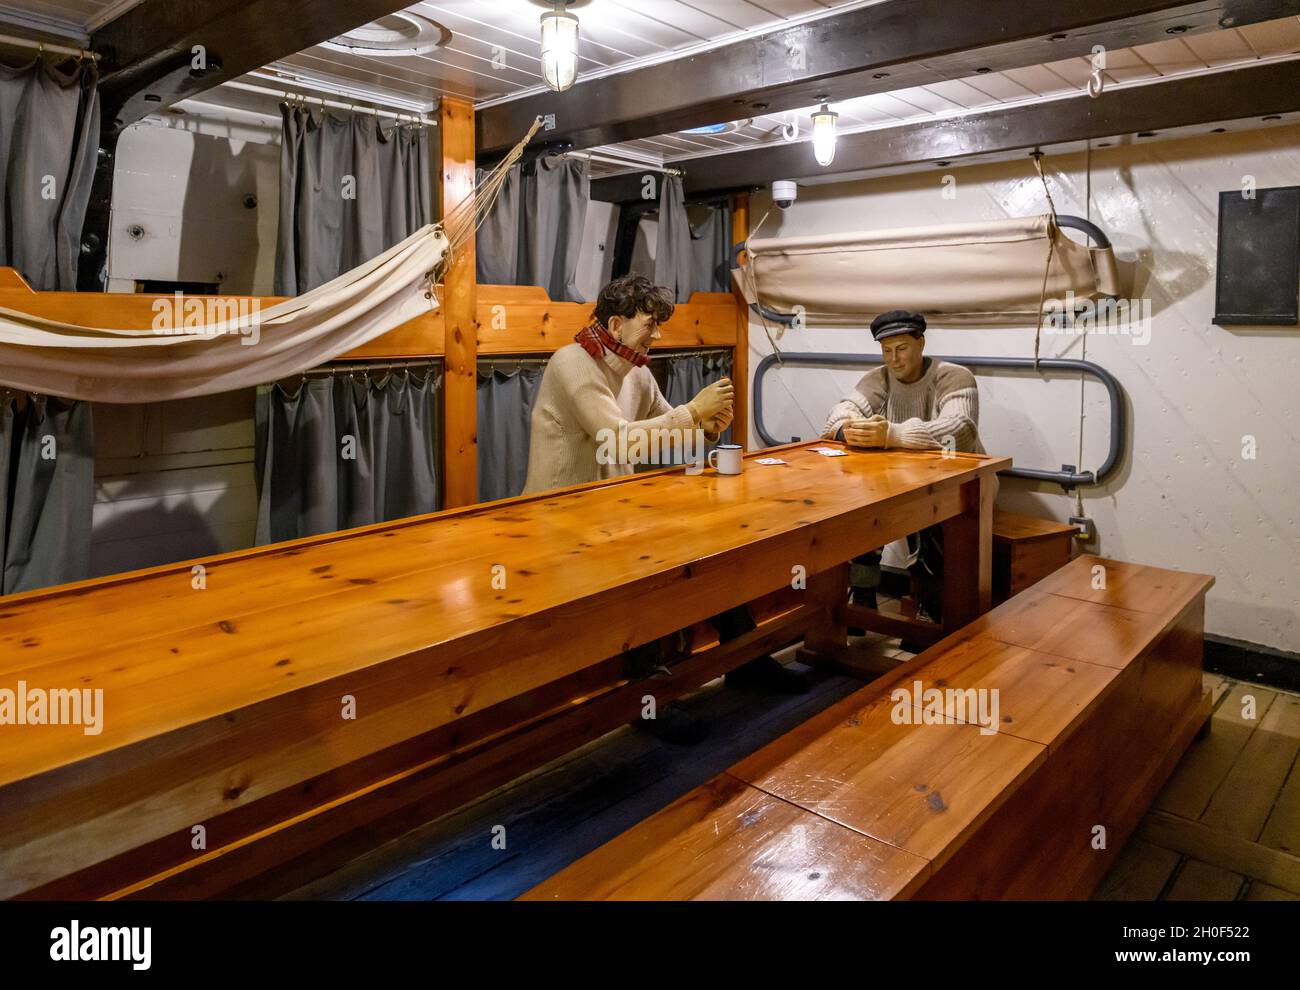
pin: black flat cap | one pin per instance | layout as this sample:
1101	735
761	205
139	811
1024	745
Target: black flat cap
897	321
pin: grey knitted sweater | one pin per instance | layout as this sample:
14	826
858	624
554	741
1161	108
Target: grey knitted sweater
581	396
943	402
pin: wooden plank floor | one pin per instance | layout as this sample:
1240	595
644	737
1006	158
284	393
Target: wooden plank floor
566	809
1226	826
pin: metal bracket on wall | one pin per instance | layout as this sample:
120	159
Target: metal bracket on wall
1067	479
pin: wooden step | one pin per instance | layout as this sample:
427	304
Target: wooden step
1025	550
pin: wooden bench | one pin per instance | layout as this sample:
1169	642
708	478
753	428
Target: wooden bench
1097	671
1025	550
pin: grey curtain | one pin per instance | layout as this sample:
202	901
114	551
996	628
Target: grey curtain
533	234
496	250
345	450
49	137
47	491
505	408
674	257
710	248
554	201
682	375
350	188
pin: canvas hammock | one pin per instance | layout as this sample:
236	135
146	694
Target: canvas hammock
992	272
101	364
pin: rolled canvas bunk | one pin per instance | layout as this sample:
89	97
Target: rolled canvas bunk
962	274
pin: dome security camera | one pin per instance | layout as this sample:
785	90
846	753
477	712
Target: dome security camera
784	193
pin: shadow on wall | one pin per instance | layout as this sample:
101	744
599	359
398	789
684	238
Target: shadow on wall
176	533
220	232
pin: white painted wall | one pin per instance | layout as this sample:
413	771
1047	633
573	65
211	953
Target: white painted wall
597	259
1185	498
175	480
182	182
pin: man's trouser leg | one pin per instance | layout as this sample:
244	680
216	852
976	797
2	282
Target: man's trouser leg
670	722
928	571
864	577
642	661
733	623
765	671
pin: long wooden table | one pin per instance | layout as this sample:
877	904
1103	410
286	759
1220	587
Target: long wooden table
262	706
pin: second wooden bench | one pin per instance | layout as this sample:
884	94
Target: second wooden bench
1011	760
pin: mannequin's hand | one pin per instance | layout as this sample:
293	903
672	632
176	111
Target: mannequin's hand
866	433
719	422
713	401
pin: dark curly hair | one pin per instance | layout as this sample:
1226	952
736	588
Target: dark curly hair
631	294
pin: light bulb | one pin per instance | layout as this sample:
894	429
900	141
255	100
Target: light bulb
559	49
823	136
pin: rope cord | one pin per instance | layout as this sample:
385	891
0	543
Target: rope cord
1083	384
465	218
1052	230
753	265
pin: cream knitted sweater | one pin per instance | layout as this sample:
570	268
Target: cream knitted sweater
581	396
943	402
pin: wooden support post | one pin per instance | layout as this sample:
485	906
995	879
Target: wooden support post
826	637
740	355
968	556
460	363
826	643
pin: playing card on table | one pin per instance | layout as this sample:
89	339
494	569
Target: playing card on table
769	460
829	452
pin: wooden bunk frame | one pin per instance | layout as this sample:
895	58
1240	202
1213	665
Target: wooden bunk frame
473	319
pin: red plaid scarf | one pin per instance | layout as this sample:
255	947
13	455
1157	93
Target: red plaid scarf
596	340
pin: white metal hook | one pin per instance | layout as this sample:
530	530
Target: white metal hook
1095	81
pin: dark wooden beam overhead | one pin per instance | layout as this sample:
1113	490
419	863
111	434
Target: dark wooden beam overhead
148	52
887	46
1250	93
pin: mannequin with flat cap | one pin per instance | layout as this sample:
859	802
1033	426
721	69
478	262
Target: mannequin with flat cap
917	403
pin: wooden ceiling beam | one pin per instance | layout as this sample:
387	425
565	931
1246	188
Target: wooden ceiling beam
887	46
1161	109
149	59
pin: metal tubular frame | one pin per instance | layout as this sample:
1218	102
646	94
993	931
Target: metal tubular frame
1068	477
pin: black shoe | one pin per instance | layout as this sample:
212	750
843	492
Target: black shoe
931	610
673	725
864	596
769	674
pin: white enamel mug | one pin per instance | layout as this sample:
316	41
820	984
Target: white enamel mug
726	458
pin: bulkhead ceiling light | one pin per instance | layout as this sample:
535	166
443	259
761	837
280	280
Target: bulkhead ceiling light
559	48
823	136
